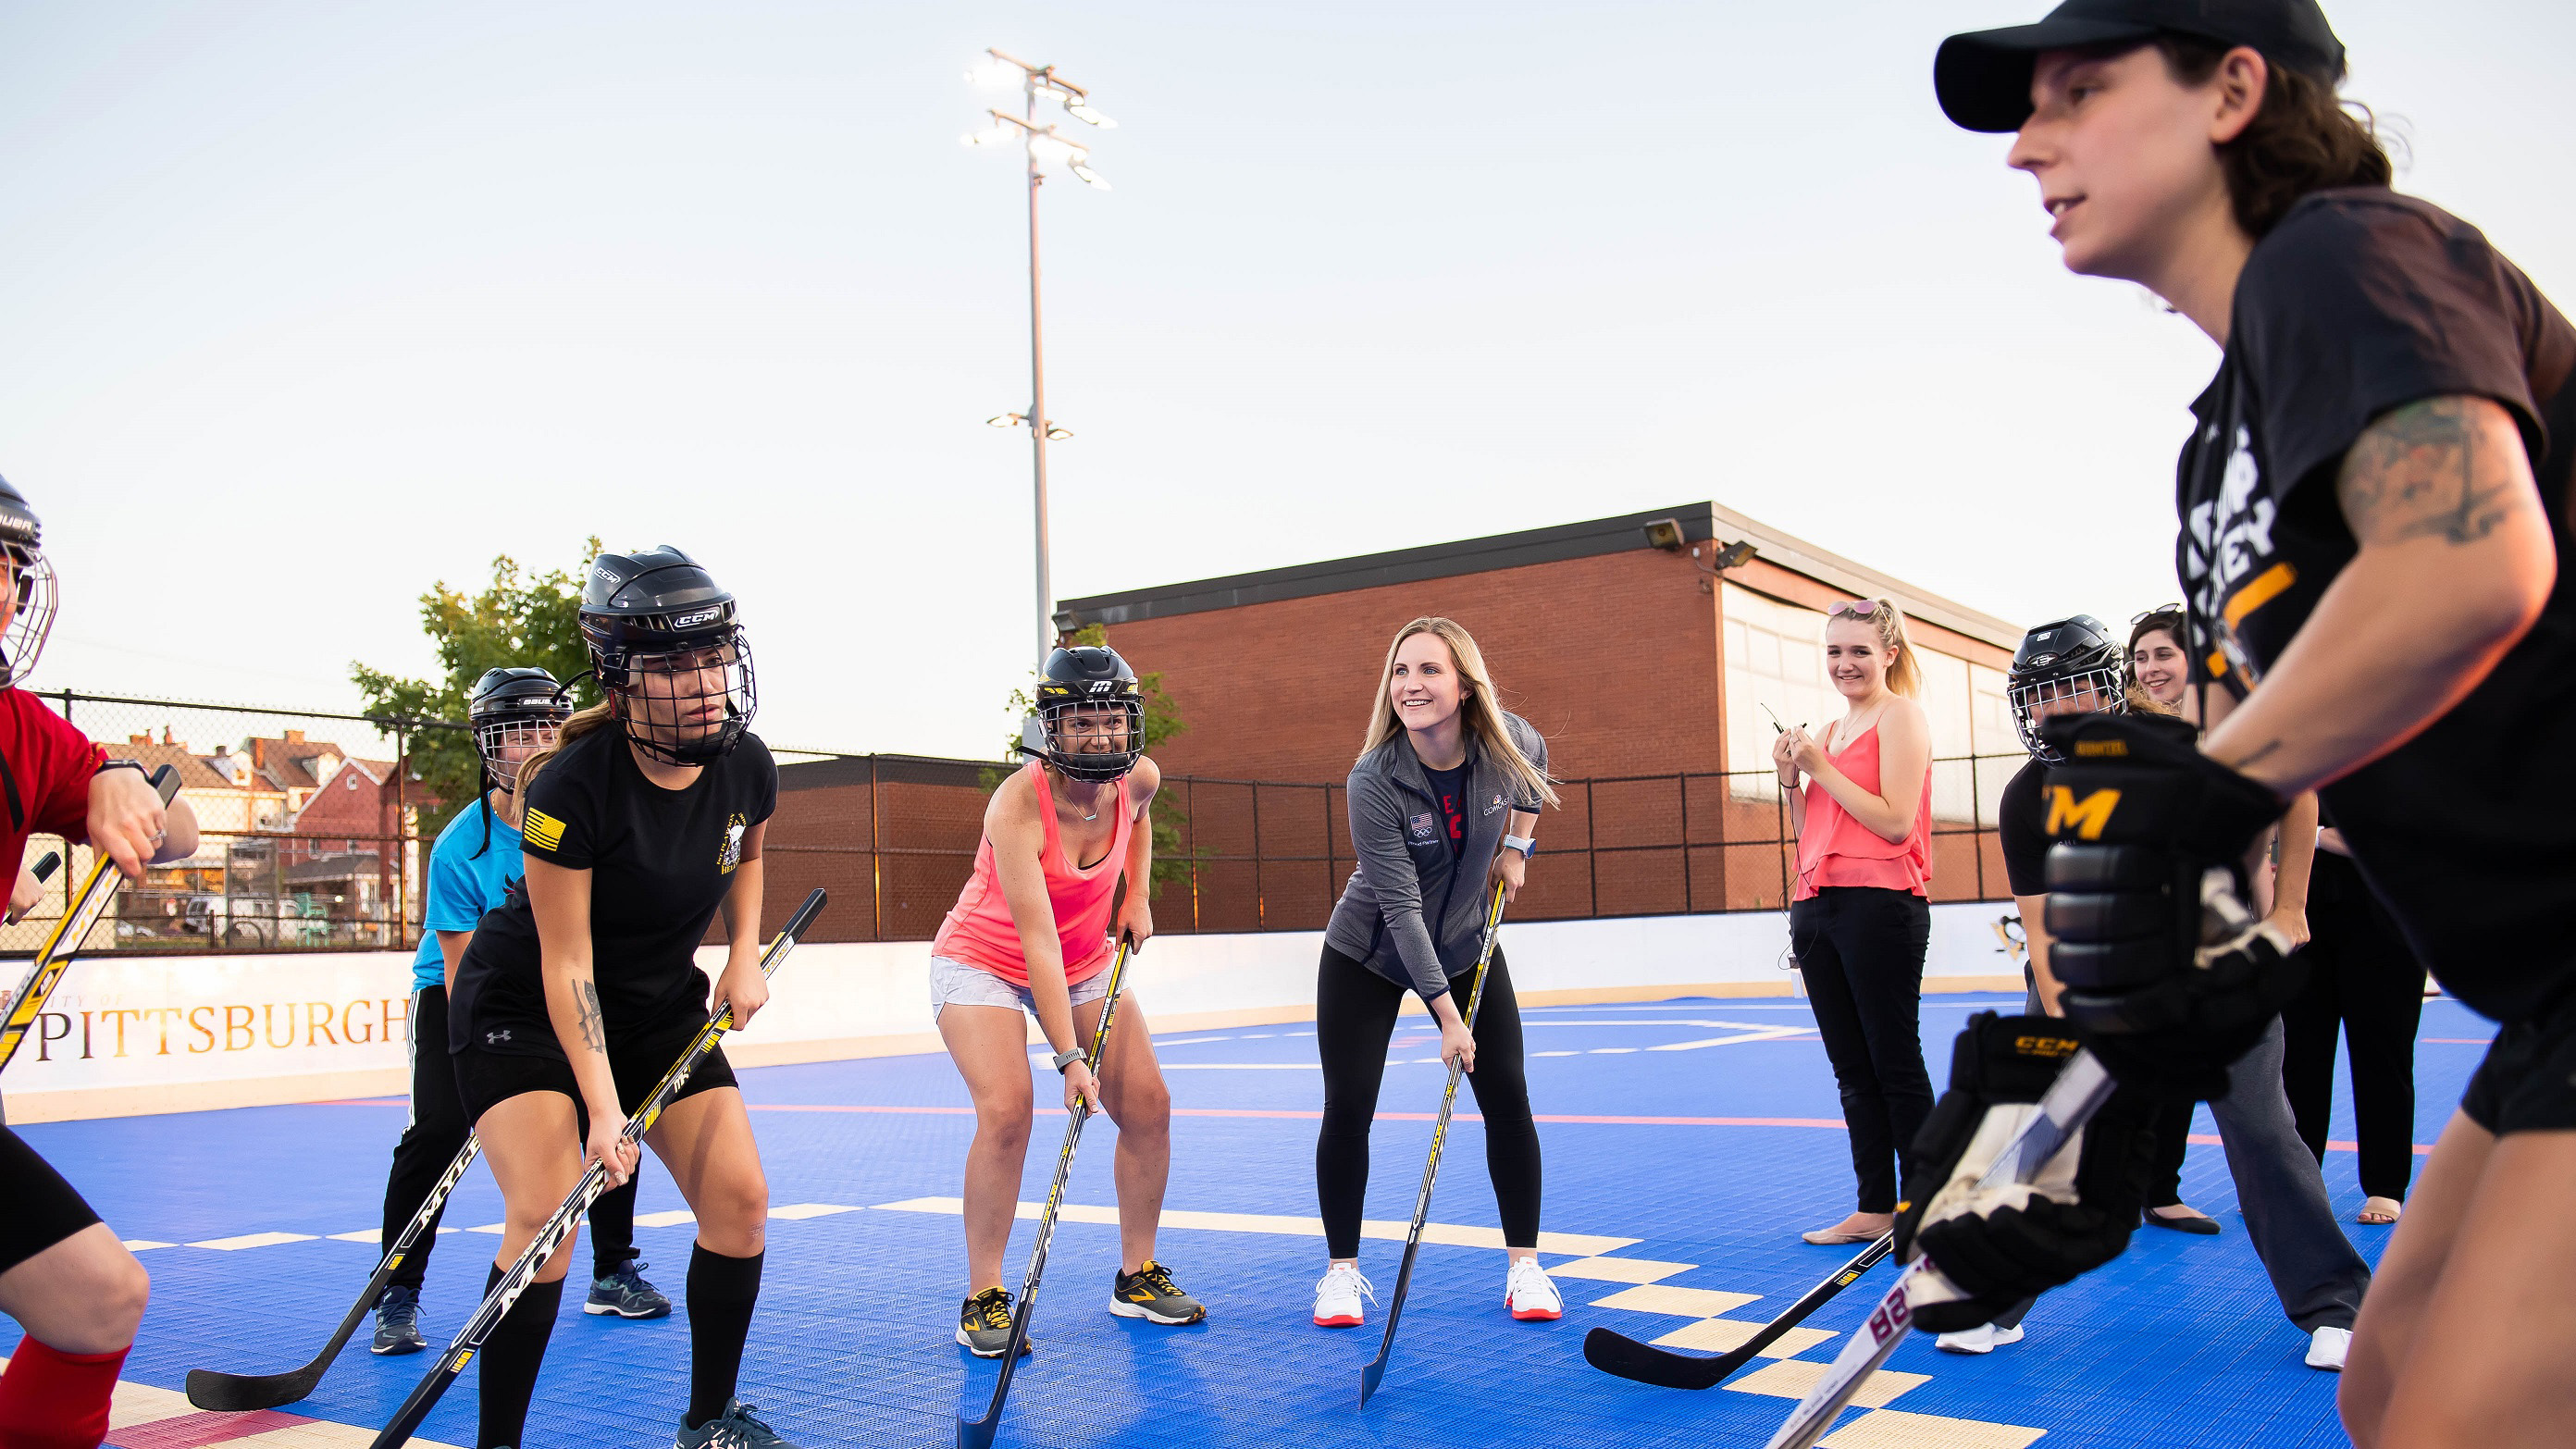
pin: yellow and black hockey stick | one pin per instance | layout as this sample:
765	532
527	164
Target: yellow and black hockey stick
88	904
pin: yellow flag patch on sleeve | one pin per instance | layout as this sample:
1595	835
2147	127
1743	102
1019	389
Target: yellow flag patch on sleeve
542	831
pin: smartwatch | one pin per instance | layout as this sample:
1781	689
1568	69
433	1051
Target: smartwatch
1526	845
1065	1059
135	765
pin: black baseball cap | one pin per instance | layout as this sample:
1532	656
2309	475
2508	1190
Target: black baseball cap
1983	77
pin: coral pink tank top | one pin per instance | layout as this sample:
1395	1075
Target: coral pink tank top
979	930
1836	850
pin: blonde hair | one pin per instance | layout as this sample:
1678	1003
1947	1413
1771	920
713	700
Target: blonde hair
583	721
1483	714
1904	671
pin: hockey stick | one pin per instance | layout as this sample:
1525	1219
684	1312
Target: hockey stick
1619	1354
2080	1090
978	1433
43	872
469	1339
64	941
1376	1369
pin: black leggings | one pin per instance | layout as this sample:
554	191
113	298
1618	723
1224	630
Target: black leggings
2363	977
437	1132
1355	1011
1860	950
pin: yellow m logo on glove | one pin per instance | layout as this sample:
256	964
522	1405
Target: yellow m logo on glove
2085	818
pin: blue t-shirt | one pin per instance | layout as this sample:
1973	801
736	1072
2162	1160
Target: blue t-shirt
463	885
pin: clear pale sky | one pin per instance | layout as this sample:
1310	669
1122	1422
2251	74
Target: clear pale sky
303	306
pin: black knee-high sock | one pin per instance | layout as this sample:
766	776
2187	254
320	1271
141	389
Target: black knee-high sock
511	1355
721	1293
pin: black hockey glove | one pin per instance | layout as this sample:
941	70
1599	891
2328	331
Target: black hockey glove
2166	967
2002	1244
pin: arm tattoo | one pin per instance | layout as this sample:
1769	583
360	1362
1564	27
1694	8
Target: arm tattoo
2431	469
594	1027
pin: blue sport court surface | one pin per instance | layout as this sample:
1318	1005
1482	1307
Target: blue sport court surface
1687	1143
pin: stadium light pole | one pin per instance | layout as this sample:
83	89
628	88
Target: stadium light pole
1040	144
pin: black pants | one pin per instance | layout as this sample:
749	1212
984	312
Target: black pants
437	1132
2363	977
1355	1011
2173	1140
1860	949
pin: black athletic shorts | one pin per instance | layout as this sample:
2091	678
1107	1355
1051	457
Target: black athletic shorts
2528	1081
488	1078
37	1208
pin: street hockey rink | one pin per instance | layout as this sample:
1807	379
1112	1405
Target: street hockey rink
1687	1143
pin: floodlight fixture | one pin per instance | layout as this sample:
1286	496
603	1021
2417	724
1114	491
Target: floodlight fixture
1665	534
1059	434
1734	556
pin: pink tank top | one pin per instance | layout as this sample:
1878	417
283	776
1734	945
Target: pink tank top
979	930
1836	850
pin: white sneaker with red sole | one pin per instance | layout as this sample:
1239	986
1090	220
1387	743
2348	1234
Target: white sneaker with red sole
1530	1293
1337	1297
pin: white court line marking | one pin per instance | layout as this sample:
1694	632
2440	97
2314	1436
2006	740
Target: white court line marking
661	1220
798	1212
1667	1021
140	1245
1247	1066
1608	1052
252	1240
1450	1234
1767	1033
1556	1054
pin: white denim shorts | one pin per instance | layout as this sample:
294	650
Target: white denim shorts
955	983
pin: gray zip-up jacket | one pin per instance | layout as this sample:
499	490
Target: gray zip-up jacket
1411	913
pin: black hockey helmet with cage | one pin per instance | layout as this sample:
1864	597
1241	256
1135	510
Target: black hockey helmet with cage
1087	697
522	706
670	654
2072	659
31	581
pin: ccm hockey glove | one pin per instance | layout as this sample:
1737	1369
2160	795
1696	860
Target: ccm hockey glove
2002	1244
2165	965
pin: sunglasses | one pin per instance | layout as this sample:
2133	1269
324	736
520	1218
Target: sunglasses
1853	608
2158	612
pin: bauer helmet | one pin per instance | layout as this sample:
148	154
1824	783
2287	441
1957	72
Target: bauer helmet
31	582
522	708
1090	719
2069	667
669	653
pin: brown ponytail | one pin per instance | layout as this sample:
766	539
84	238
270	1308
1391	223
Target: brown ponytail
2303	137
582	722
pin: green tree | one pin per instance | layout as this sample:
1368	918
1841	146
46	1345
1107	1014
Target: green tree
1162	721
518	619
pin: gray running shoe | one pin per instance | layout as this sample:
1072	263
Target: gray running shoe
626	1294
1149	1293
735	1428
984	1325
398	1322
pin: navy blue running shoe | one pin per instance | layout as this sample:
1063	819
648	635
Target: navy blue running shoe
625	1294
398	1322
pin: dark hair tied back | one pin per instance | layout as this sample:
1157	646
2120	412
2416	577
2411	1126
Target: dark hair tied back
2303	138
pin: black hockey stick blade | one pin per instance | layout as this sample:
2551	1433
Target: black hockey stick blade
1616	1353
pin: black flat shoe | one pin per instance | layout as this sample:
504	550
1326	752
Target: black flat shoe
2196	1226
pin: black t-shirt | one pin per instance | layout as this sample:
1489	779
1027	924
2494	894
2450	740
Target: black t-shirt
2359	302
660	862
1449	787
2021	828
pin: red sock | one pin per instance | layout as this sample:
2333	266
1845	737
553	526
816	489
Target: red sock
55	1400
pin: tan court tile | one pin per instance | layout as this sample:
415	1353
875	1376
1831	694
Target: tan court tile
1896	1429
670	1219
1658	1298
1717	1335
252	1240
1790	1379
317	1435
1635	1270
797	1212
143	1404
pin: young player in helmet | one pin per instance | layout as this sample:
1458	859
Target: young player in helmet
577	995
1032	933
2375	532
513	713
1444	803
64	1275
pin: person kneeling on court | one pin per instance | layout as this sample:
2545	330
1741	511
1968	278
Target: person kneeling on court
582	991
1031	934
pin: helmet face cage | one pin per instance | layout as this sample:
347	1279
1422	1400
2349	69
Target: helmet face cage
34	592
506	741
1095	740
686	704
2086	691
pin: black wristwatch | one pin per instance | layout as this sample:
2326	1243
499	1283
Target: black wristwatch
1066	1059
135	765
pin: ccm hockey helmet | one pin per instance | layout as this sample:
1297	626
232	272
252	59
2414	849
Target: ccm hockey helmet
669	653
31	581
2069	667
1090	720
522	707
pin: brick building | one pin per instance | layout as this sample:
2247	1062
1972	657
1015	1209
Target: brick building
1646	667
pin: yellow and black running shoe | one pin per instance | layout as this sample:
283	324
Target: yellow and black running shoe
1149	1293
984	1325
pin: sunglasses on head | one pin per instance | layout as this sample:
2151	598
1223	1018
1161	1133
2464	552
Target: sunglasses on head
2158	612
1853	608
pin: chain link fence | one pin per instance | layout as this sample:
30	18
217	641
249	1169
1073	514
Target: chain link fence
311	841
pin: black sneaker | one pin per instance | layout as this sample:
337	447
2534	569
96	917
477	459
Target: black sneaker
735	1428
625	1293
984	1325
398	1322
1148	1293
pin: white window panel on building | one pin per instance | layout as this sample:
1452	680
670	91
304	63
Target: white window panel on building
1775	659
